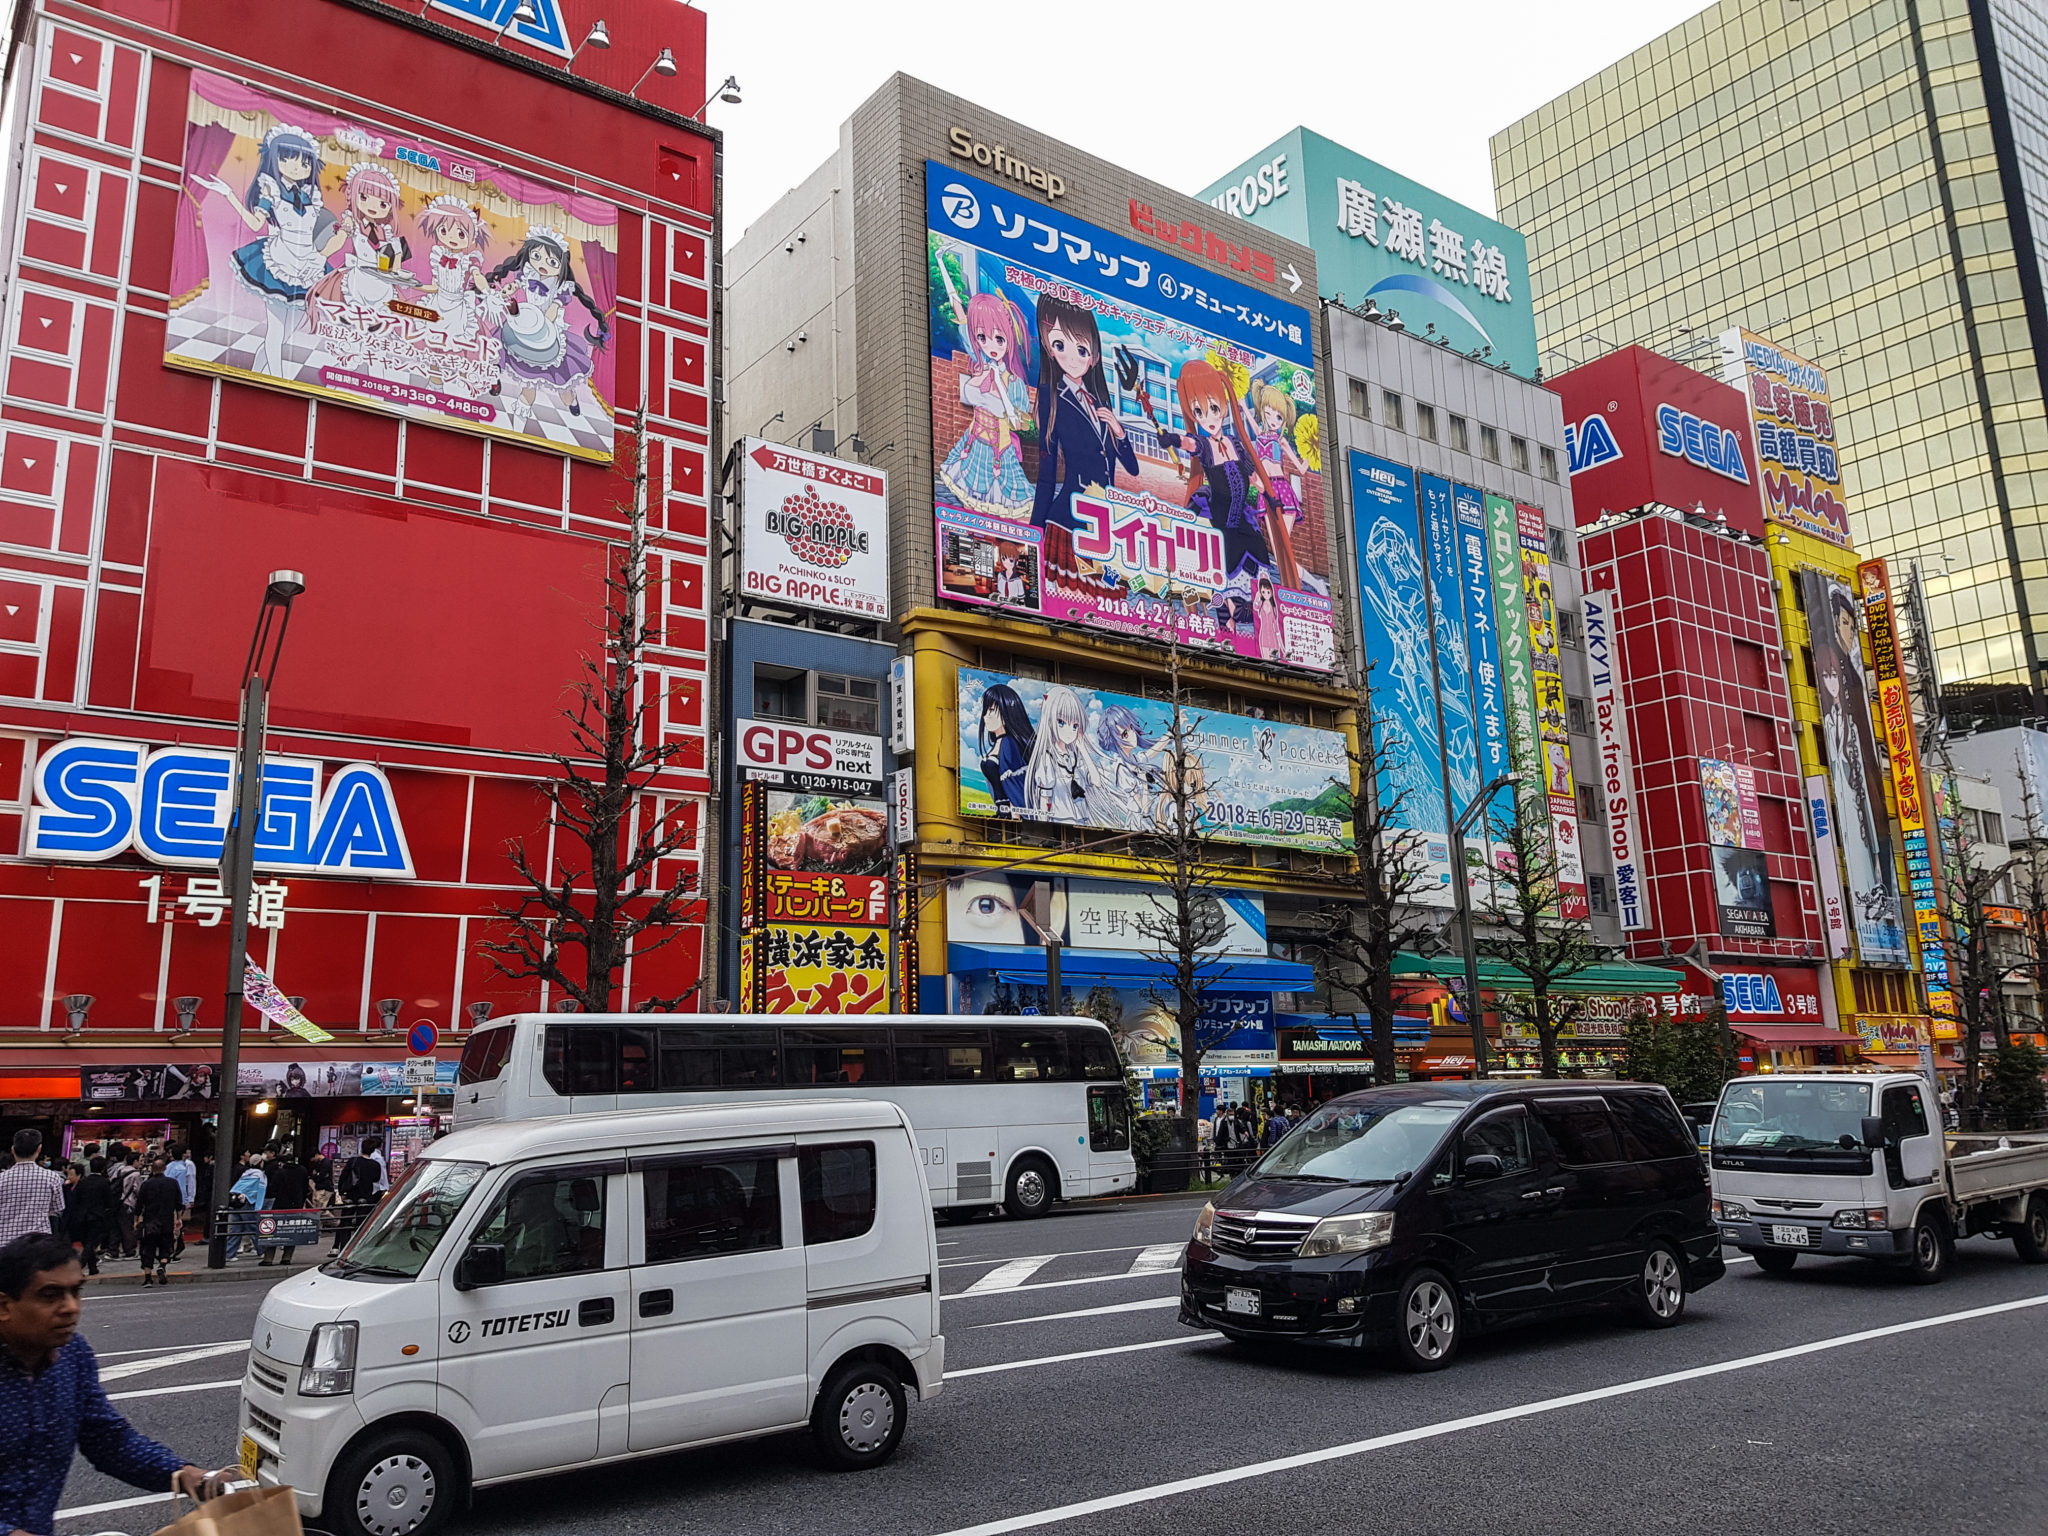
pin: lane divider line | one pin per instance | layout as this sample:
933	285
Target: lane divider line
1071	1253
182	1357
113	1504
1010	1276
1157	1491
163	1349
1054	1285
1079	1354
1149	1304
190	1386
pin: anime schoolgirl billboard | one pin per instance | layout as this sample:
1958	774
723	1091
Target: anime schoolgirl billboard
1123	440
1079	757
348	261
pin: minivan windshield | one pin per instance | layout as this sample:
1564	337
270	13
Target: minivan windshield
1789	1115
411	1222
1360	1144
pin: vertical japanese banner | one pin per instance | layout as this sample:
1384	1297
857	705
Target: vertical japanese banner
1873	577
1546	671
749	893
1453	657
748	1000
906	910
1617	772
1834	911
1511	628
1482	645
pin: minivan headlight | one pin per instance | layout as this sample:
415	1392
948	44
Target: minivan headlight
1205	1221
1349	1234
330	1366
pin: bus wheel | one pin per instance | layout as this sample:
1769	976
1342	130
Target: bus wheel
1032	1187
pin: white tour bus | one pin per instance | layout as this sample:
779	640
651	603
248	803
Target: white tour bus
1011	1111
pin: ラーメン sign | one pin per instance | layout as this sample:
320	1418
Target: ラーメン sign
814	532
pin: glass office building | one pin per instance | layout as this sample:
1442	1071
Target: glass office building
1866	183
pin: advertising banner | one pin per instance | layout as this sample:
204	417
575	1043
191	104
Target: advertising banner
351	260
107	1084
1082	757
808	757
820	968
814	532
1546	671
806	896
909	909
823	834
1518	682
1855	779
1394	625
1922	857
1834	911
1742	886
1482	639
1793	418
1453	658
990	908
1617	772
1124	440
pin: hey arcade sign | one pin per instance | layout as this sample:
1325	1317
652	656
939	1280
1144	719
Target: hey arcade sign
97	798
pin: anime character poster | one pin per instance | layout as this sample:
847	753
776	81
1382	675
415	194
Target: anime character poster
337	258
1080	757
1742	886
1121	439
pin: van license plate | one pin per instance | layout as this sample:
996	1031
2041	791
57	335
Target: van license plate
1237	1299
1792	1237
250	1456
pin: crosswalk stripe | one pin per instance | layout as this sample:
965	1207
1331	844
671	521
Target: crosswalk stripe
1158	1256
1149	1304
190	1386
182	1357
1007	1277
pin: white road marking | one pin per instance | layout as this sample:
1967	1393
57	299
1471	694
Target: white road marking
111	1505
1160	1256
1008	1277
1079	1354
181	1357
1150	1304
1071	1253
158	1349
1352	1448
192	1386
1054	1285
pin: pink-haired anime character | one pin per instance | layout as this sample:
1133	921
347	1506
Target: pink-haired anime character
456	262
373	265
985	470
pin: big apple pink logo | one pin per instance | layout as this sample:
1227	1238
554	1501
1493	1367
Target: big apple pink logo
818	532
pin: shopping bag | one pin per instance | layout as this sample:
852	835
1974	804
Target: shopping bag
246	1512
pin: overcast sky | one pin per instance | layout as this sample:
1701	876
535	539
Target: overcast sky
1179	93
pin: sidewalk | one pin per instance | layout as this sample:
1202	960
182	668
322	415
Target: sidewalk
192	1269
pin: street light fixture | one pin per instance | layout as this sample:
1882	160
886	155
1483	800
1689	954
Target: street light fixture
597	37
238	874
728	92
664	65
1474	1015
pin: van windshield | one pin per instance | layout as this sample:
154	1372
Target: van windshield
1348	1144
410	1223
1791	1116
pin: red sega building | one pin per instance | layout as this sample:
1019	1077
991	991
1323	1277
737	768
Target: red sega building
415	372
1703	786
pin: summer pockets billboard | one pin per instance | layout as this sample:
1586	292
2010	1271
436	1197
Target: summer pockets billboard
1123	439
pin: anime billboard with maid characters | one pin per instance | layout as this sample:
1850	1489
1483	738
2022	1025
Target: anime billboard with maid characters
1123	439
344	260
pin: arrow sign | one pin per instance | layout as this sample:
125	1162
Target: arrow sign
1293	278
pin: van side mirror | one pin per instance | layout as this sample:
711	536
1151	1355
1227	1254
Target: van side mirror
480	1264
1873	1132
1483	1166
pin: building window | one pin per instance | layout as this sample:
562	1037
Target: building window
1519	447
1547	457
1568	627
1560	547
1589	804
1575	715
849	704
1361	406
1798	593
1390	407
1806	659
1489	442
1461	437
1994	826
781	693
1596	893
1425	422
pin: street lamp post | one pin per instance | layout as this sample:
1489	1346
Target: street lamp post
1474	1018
238	875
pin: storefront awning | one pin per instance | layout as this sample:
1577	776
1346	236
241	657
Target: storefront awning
1784	1036
1609	978
1126	967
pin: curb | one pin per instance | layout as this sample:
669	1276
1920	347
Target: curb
131	1279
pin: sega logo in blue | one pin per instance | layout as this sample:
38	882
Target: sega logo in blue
1589	445
96	798
1750	992
1705	443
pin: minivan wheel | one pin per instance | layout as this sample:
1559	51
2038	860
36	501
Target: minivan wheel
2030	1233
1658	1299
858	1421
402	1483
1426	1322
1932	1249
1774	1261
1032	1183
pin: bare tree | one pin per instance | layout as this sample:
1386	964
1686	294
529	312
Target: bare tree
1965	885
606	902
2030	887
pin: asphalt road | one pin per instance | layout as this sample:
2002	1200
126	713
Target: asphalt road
1835	1399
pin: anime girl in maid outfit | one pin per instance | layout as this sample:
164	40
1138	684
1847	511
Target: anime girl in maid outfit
456	262
296	233
985	470
540	345
372	268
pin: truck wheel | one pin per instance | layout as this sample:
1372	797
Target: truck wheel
1932	1249
860	1415
1032	1186
1774	1261
2030	1233
1426	1323
1658	1299
401	1483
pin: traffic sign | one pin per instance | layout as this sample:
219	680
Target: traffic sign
421	1072
423	1037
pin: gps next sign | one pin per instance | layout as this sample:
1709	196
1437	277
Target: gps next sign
1641	430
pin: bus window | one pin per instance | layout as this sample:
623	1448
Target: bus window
1031	1054
689	1058
828	1056
748	1058
942	1056
1093	1055
636	1061
581	1058
1109	1120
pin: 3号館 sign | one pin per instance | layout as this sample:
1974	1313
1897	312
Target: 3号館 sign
96	798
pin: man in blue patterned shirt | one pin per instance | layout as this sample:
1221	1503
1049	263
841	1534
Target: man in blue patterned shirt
50	1399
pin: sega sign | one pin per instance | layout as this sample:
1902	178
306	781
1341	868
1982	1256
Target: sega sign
1757	995
97	798
1686	436
802	757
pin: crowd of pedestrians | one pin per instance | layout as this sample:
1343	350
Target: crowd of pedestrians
1237	1133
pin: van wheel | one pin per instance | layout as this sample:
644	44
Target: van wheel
1774	1261
859	1419
1932	1249
1426	1323
2030	1233
1658	1299
400	1483
1032	1186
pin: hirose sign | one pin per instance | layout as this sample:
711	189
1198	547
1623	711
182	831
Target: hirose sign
814	532
806	757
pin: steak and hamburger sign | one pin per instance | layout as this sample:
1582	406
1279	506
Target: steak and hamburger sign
814	532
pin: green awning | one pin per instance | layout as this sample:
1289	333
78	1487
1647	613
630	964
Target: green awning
1608	978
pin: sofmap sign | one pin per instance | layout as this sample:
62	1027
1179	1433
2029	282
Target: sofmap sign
97	798
1451	272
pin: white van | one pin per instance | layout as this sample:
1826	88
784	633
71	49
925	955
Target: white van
543	1294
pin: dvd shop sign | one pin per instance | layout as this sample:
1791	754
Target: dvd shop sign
803	757
814	532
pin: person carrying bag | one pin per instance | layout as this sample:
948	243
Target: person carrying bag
244	1509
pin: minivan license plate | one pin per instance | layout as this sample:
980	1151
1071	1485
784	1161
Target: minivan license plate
250	1457
1792	1237
1237	1299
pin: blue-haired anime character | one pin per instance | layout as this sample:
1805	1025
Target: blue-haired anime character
1136	772
296	234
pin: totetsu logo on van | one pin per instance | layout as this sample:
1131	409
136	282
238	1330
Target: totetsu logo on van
818	532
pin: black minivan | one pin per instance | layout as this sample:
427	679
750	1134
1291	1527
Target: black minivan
1409	1216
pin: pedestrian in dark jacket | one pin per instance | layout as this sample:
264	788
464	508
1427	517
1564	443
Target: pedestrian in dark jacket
126	1179
157	1206
93	1209
291	1189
